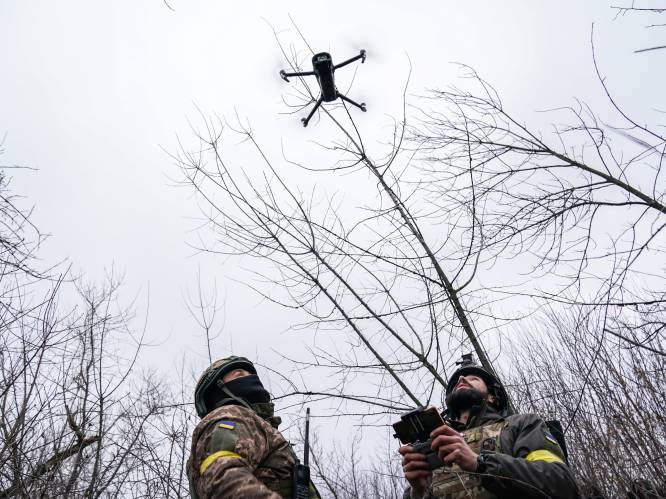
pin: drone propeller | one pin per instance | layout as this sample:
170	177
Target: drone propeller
369	45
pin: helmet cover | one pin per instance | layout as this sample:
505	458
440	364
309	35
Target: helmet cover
210	377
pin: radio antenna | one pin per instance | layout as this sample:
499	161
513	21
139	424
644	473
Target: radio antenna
306	451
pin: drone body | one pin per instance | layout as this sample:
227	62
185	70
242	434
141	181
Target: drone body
322	64
324	69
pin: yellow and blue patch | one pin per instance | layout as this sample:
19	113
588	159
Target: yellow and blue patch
543	455
227	425
551	438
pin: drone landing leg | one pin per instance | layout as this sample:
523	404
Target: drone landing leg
361	106
315	107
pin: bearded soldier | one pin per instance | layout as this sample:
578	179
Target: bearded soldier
488	453
237	451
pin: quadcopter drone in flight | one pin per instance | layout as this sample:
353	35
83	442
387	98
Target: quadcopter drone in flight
324	70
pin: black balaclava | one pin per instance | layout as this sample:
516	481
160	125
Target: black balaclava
249	388
248	392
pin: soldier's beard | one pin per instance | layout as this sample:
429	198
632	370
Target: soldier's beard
464	399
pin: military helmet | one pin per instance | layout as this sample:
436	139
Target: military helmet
210	377
495	387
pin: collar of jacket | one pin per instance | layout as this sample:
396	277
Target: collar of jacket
479	415
264	410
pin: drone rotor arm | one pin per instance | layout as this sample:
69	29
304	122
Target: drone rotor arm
284	75
349	61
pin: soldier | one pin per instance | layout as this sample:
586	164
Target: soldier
237	451
488	453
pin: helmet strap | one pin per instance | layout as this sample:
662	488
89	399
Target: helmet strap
228	392
265	410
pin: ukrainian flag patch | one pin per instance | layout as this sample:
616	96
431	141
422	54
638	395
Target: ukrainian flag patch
549	436
227	425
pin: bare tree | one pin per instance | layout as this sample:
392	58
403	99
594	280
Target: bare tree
343	472
586	204
643	10
472	225
76	418
610	394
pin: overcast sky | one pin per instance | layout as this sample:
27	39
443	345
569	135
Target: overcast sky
94	94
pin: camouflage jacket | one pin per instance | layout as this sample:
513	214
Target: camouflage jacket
524	461
236	454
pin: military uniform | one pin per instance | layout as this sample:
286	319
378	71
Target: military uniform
521	459
237	454
237	451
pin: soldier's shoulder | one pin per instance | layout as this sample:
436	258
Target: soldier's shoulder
232	414
526	419
529	416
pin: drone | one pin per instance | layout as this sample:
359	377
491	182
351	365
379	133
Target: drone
324	70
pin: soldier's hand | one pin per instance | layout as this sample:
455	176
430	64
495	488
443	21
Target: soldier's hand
416	470
452	448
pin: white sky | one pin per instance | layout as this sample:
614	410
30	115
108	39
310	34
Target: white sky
92	92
